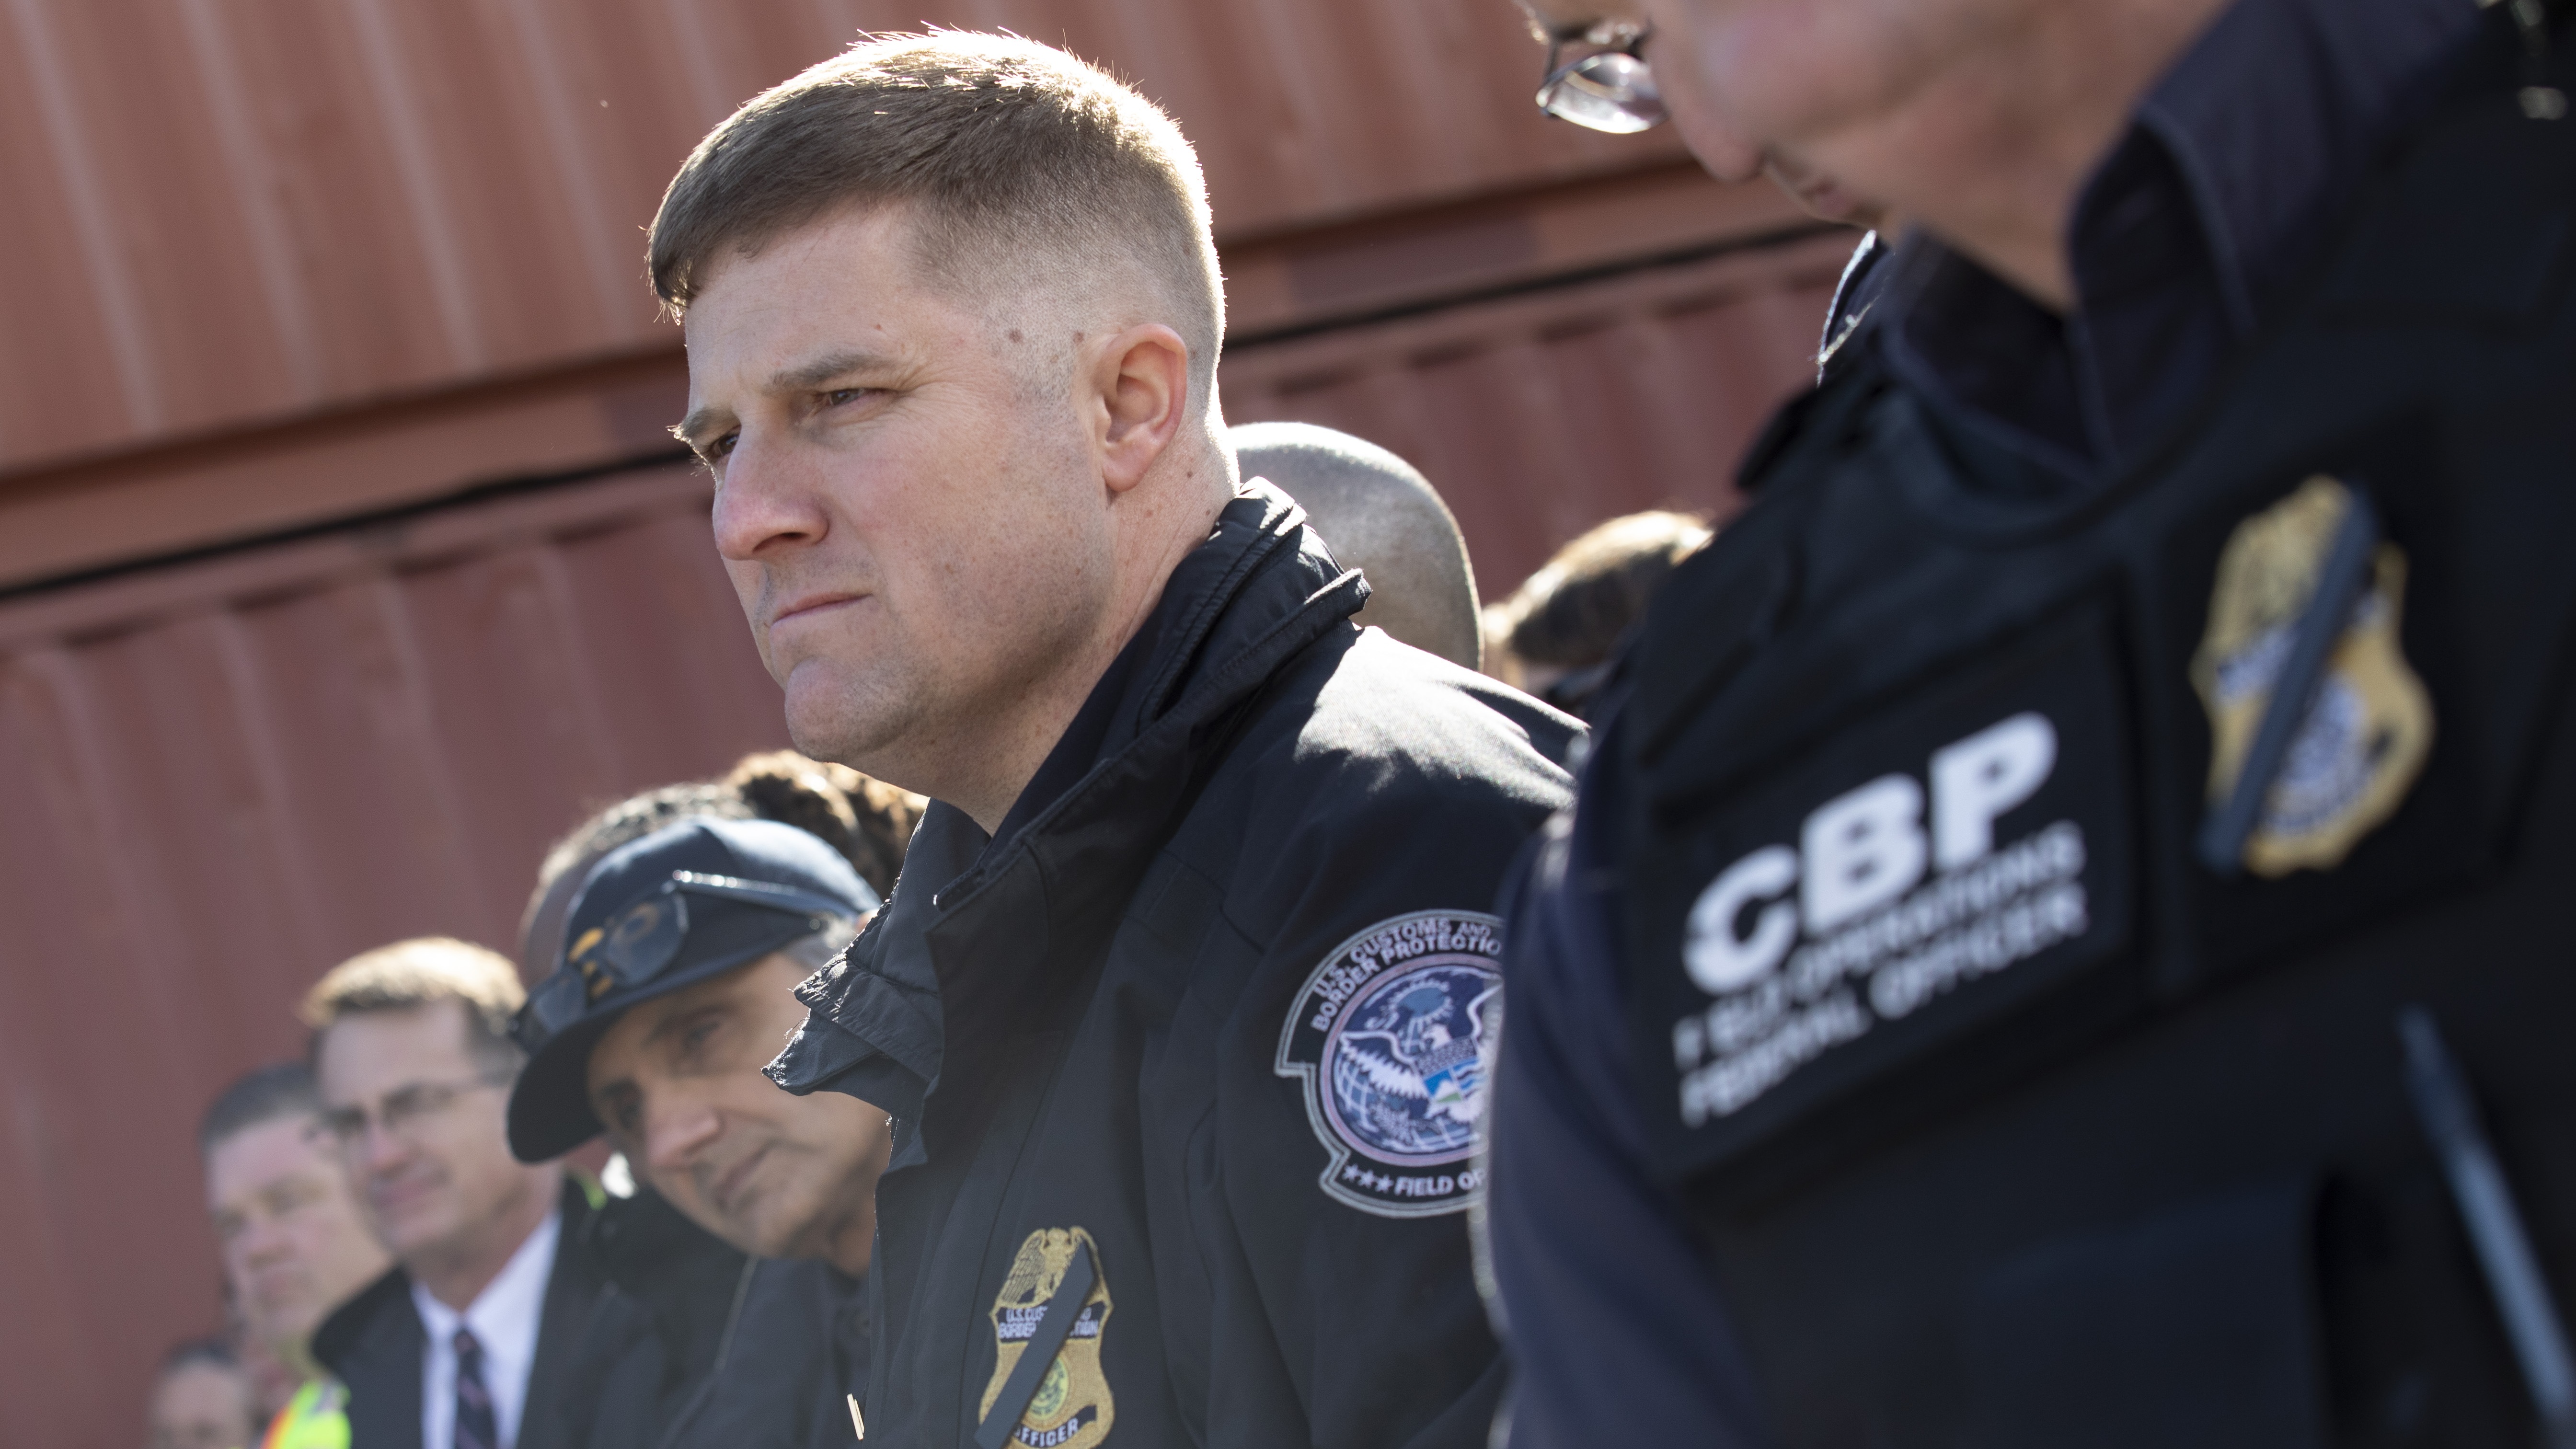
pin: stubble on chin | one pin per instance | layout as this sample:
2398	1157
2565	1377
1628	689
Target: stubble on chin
862	723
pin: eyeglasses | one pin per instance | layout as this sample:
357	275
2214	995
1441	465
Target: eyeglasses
403	1110
641	941
1608	90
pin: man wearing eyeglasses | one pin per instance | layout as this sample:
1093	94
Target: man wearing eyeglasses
2062	938
464	1343
677	982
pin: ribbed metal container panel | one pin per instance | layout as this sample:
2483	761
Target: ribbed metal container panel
221	780
1539	416
224	211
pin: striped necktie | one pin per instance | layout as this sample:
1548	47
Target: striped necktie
475	1428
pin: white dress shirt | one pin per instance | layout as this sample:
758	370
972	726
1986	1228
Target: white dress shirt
504	1319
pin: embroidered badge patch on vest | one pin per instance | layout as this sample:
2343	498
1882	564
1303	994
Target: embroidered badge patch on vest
1392	1035
2364	740
1072	1407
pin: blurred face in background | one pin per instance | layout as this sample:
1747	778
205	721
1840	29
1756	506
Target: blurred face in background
202	1405
1829	96
293	1241
419	1127
1977	120
678	1083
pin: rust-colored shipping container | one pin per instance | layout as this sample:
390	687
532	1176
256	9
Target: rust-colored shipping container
1540	415
247	209
344	560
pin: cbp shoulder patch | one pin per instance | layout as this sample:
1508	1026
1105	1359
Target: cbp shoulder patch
2364	739
1392	1034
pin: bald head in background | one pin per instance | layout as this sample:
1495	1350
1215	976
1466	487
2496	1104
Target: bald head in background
1383	518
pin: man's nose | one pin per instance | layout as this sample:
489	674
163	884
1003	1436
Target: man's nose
675	1132
382	1148
765	499
261	1240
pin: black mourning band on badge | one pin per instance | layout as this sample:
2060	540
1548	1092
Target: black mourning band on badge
1045	1342
2339	588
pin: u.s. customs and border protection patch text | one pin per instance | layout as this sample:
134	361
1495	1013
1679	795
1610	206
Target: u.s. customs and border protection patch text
2365	738
1072	1408
1393	1035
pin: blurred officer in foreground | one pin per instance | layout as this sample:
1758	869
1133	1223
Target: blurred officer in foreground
2061	941
1378	514
294	1243
1181	1002
677	986
467	1340
1562	628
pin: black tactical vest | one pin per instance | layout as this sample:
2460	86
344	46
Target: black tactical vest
2023	1096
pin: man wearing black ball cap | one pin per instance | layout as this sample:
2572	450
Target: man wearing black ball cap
672	989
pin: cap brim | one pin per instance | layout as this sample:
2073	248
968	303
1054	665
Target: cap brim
550	1112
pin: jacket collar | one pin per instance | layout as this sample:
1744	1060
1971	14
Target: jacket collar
977	948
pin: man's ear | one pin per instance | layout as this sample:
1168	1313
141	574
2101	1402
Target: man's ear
1144	393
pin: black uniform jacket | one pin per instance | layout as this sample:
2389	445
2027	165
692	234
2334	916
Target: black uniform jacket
1206	1028
373	1343
696	1343
2070	938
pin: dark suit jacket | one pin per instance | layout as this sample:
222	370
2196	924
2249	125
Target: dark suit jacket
373	1344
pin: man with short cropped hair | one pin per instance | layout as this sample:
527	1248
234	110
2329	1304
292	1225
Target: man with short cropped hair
295	1245
1180	1006
462	1343
1379	515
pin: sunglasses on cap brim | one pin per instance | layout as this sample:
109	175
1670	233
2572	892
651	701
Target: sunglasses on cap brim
645	936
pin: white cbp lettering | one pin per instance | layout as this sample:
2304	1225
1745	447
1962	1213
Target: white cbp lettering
1980	778
1728	1083
1690	1043
1863	849
2036	860
1719	959
2008	937
1782	936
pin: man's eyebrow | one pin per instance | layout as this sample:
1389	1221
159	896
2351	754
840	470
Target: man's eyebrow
804	377
693	429
673	1018
823	369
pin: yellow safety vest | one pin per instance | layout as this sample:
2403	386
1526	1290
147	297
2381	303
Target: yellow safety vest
316	1418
